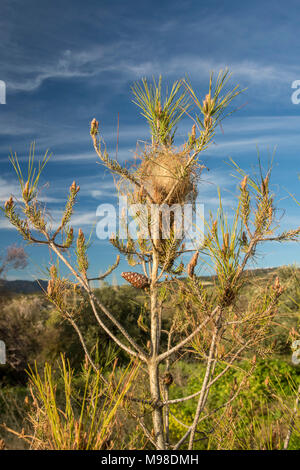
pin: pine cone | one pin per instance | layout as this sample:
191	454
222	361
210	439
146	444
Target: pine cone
167	379
137	280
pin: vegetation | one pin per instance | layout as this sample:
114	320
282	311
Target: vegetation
226	331
17	407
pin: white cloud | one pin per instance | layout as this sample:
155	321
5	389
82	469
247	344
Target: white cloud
5	224
125	59
12	188
68	65
7	189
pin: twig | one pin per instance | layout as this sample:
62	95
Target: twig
292	421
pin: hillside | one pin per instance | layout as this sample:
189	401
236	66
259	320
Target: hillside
33	287
22	287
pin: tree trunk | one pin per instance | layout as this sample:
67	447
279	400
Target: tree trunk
153	368
157	415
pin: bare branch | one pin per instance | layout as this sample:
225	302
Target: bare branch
180	345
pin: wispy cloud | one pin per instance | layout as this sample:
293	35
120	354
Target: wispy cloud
121	59
80	219
12	188
82	63
8	188
68	65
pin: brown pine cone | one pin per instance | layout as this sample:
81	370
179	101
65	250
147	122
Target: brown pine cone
137	280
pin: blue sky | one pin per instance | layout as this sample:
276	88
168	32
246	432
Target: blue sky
67	62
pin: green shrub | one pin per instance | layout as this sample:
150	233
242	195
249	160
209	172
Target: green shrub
256	407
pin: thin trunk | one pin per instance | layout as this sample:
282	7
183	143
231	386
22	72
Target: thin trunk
205	389
292	421
153	367
166	395
157	414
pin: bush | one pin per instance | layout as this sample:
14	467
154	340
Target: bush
255	413
22	328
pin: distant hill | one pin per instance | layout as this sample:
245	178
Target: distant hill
33	287
22	287
248	273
